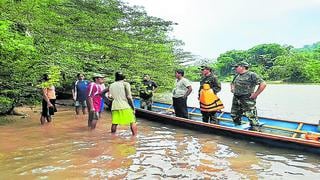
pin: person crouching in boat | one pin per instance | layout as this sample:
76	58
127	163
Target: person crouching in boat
209	101
244	95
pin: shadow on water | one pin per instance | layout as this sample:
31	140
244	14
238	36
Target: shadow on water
67	149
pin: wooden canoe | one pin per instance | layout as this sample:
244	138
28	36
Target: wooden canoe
274	132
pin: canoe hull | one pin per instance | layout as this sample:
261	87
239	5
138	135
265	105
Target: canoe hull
271	140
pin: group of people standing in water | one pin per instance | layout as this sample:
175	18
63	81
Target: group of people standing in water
89	97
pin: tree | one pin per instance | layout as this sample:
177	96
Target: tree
86	36
19	63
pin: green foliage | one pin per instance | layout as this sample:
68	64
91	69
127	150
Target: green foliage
18	61
6	104
266	54
309	48
54	77
73	36
274	62
224	63
312	70
193	73
297	67
65	37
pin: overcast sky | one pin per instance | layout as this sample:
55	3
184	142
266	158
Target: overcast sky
212	27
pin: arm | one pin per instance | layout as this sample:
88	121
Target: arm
73	94
261	87
127	90
232	87
187	84
89	98
74	90
155	87
188	92
232	83
215	85
106	90
200	87
45	97
90	104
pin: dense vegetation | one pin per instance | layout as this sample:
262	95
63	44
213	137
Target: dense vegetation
273	62
65	37
79	36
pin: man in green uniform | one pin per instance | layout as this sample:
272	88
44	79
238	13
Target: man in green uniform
209	78
244	95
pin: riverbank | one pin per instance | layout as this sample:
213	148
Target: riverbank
30	112
25	113
6	120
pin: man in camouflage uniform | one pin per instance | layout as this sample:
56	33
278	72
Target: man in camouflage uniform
244	95
209	78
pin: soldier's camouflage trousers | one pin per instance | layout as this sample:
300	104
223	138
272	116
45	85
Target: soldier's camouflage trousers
243	105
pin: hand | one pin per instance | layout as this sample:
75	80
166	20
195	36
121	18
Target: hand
92	109
253	96
50	105
74	98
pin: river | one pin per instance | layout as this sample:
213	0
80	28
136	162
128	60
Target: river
282	101
66	149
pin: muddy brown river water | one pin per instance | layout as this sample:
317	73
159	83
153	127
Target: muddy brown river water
66	149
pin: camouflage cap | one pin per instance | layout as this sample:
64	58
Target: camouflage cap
205	67
242	63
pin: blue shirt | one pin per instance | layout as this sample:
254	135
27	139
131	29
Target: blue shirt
80	89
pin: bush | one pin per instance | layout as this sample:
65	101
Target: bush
6	105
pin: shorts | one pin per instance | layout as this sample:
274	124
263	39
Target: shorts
80	103
93	116
47	112
123	116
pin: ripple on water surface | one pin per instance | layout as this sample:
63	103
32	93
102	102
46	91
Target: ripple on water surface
67	149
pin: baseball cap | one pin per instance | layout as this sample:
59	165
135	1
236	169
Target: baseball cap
205	67
242	63
97	75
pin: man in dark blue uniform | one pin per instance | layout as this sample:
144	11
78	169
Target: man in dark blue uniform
146	90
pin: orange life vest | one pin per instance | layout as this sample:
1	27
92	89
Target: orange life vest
312	137
209	101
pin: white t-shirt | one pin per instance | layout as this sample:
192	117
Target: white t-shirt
181	87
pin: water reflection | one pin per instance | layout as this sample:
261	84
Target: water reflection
67	149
